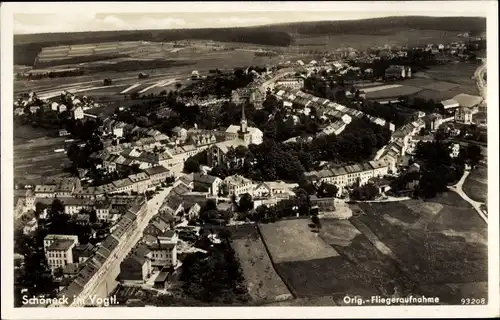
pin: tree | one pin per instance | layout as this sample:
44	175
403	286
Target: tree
57	207
366	192
191	165
210	204
245	203
92	216
327	190
473	154
58	273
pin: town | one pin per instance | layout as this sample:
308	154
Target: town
229	186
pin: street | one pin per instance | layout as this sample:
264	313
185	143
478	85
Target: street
476	205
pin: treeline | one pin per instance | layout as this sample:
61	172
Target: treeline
386	25
51	74
75	60
27	47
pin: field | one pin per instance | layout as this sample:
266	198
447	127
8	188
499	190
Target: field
445	81
391	91
414	247
293	240
364	41
440	244
263	283
476	184
34	156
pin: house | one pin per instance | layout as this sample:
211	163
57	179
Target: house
34	109
454	150
82	252
62	108
18	111
63	133
157	174
31	226
179	133
103	209
59	250
414	167
135	269
272	189
118	132
163	254
203	183
45	191
383	185
194	212
433	121
141	181
237	185
465	114
54	106
77	113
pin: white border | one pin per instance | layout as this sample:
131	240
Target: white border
434	8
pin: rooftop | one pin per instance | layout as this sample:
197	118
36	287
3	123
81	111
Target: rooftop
61	245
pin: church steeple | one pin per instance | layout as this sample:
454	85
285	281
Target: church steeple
243	122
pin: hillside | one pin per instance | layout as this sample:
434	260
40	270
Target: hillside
27	47
384	26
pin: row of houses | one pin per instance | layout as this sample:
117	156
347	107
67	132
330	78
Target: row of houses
140	182
349	175
95	267
326	108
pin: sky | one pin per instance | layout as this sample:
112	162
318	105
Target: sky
84	19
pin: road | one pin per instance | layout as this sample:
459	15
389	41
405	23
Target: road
476	205
479	77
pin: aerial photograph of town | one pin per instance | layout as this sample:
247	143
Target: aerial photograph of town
223	162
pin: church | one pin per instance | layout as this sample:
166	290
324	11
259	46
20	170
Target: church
241	135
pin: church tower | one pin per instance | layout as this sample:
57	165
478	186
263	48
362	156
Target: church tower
243	133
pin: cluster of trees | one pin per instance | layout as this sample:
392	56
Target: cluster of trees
439	169
271	161
216	278
50	74
300	204
219	85
365	192
209	214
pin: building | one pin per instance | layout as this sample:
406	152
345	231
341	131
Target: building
454	150
237	185
397	72
450	104
59	250
290	83
158	174
350	174
272	189
203	183
163	254
179	133
465	115
161	281
77	113
135	269
249	135
322	204
433	121
467	100
82	252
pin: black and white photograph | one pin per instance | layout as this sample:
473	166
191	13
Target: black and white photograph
269	154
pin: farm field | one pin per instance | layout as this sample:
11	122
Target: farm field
263	283
360	41
293	240
441	241
392	91
476	184
35	158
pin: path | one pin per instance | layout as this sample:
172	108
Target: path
476	205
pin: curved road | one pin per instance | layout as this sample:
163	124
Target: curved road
479	77
476	205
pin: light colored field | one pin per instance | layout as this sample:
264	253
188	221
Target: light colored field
338	232
263	283
476	184
402	90
293	240
440	86
388	86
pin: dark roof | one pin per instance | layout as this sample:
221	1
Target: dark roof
156	170
162	277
